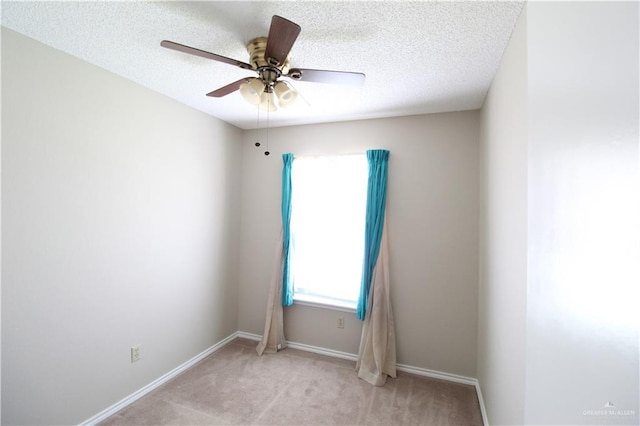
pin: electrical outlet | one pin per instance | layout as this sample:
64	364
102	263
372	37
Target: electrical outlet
135	353
340	322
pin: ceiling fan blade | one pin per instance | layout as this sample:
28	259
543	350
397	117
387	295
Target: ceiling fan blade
282	34
324	76
193	51
229	88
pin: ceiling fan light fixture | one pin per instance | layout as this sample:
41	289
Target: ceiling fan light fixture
252	91
286	94
268	101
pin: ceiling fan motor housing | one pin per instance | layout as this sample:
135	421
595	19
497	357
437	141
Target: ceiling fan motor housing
256	48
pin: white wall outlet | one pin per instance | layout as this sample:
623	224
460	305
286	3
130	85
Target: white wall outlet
340	322
135	353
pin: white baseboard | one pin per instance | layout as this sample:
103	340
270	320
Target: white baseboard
156	383
293	345
304	347
436	374
250	336
483	409
323	351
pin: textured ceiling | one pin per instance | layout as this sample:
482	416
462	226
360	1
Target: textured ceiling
418	57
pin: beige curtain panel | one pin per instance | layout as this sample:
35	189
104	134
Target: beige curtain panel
273	337
377	353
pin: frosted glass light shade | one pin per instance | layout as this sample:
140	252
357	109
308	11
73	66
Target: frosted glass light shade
252	91
268	101
285	94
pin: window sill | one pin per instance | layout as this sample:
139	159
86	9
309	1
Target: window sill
323	302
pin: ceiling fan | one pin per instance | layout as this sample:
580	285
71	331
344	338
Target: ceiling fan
269	58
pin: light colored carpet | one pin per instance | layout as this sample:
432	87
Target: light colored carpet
236	386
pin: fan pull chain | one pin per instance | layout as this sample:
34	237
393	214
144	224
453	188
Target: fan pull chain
268	108
258	129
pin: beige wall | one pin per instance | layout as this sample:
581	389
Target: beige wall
584	236
119	223
503	236
561	182
432	212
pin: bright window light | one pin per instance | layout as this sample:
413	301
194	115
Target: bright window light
328	209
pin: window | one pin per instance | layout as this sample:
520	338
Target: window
328	209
